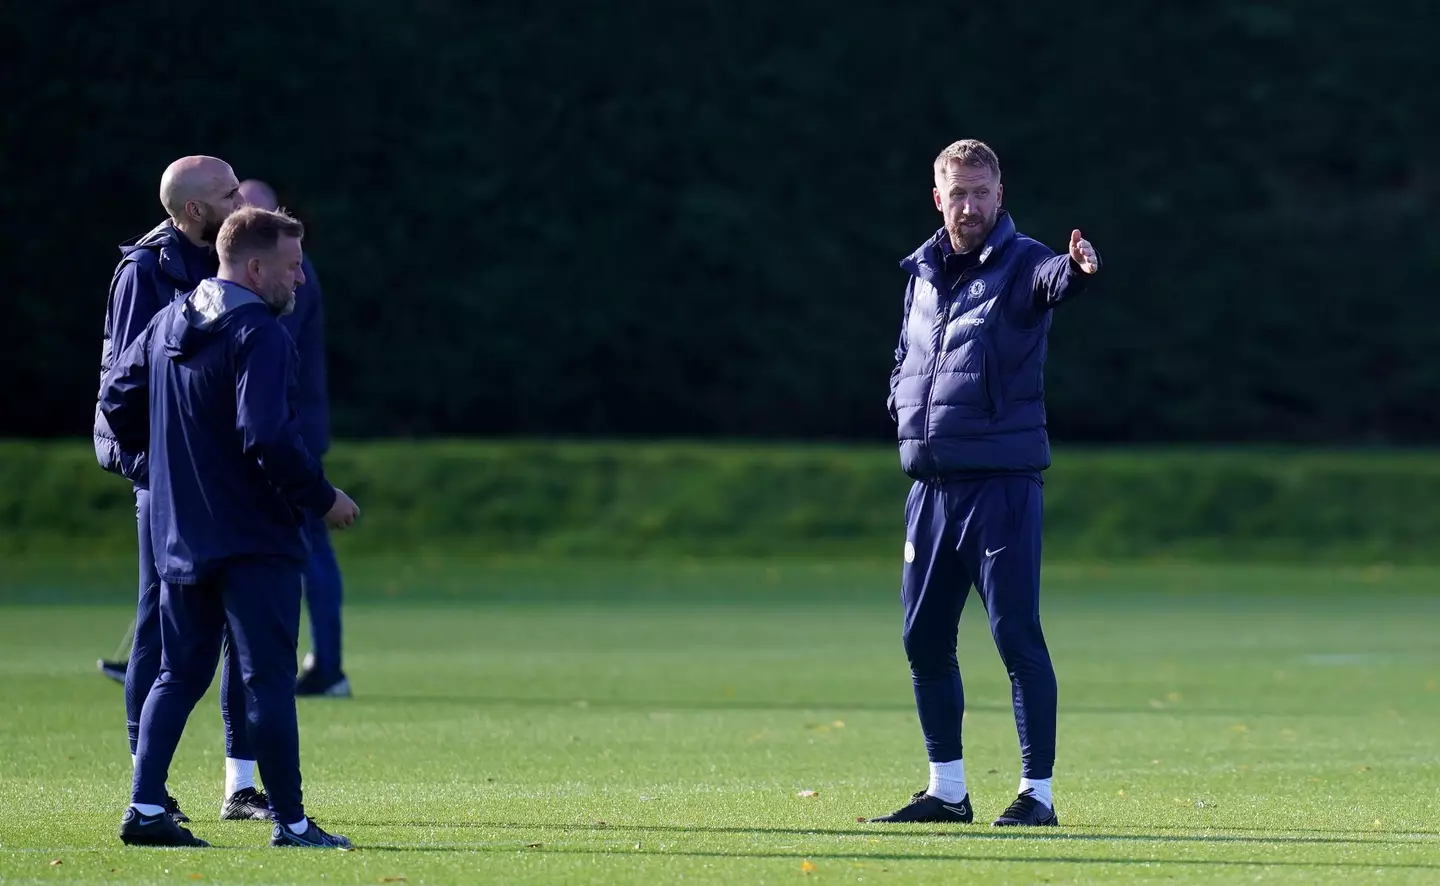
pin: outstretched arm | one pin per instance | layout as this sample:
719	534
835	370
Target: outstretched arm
1062	277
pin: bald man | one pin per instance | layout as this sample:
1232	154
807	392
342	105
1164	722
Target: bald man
322	674
198	193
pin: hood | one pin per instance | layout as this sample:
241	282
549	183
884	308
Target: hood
164	240
203	314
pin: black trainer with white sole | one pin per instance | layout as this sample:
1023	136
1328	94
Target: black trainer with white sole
247	804
313	838
138	829
1027	810
925	808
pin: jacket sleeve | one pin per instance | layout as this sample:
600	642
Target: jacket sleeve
268	426
125	394
1056	280
313	382
133	302
901	348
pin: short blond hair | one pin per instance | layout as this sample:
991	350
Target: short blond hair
968	152
250	229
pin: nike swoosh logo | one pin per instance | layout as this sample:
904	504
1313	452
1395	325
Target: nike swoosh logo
990	553
958	810
147	820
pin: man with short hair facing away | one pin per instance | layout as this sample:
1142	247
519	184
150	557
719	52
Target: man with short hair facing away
967	397
204	390
322	673
198	194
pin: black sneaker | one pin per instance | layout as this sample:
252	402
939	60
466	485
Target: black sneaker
925	808
247	804
172	806
314	838
1026	810
115	670
314	683
137	829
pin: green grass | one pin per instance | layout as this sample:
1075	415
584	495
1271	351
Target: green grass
611	723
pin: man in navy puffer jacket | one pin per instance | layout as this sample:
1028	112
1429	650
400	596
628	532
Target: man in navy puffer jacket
967	396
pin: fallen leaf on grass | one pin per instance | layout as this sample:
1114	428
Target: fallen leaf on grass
808	794
806	867
55	862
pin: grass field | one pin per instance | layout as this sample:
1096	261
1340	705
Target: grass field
611	723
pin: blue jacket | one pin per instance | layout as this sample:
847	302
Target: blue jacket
153	270
968	392
306	324
205	391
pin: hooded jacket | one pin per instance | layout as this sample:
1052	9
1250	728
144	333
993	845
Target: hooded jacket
154	269
206	391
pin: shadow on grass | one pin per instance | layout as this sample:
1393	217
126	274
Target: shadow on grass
970	832
898	857
905	706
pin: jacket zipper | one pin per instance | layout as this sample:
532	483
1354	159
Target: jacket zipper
939	351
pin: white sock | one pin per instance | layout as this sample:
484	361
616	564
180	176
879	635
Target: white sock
947	781
148	809
1040	787
300	826
238	774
